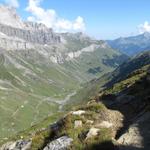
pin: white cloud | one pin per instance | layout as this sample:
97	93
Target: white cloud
12	3
79	23
144	27
50	18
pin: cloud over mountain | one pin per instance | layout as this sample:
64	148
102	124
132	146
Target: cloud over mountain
50	18
144	27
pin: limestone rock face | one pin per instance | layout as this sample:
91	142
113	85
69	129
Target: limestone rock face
10	44
16	38
18	145
31	35
61	143
16	34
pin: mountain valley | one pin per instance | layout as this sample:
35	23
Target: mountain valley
41	70
69	91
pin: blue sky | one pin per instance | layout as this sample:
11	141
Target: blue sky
104	19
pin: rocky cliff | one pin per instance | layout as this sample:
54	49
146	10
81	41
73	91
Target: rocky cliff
31	35
23	35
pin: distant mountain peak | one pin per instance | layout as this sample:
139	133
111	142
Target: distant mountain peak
146	34
133	44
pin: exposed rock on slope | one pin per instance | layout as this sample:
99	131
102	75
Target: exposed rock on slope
18	145
61	143
33	35
137	136
101	128
16	34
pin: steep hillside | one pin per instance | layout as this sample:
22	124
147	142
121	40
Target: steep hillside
131	45
131	98
95	59
129	66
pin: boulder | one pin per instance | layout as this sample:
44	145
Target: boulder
92	132
8	146
78	112
78	124
61	143
18	145
132	137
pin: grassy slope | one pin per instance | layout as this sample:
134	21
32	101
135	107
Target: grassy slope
23	97
130	80
40	137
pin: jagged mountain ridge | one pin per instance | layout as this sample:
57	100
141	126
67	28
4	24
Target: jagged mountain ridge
34	35
24	34
131	45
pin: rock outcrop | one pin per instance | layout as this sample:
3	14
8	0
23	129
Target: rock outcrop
61	143
16	34
78	112
31	35
92	132
18	145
